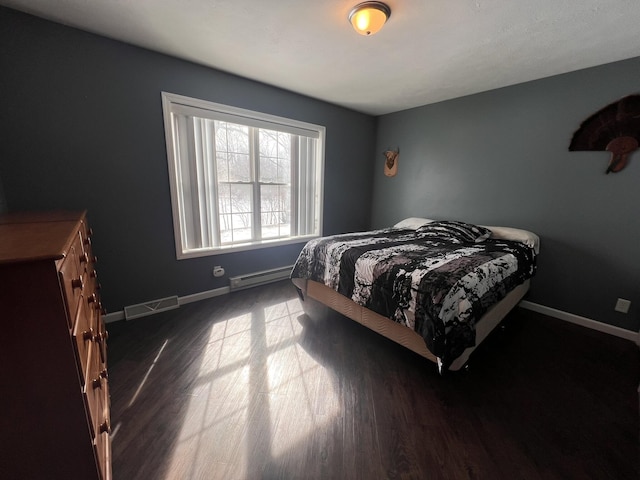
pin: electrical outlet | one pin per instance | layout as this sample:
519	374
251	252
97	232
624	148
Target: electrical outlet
622	305
218	271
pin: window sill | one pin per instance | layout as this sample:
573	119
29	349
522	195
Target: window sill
208	252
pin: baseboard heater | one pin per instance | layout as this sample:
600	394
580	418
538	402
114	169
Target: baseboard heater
149	308
259	278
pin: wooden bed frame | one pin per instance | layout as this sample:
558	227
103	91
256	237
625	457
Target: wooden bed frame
404	335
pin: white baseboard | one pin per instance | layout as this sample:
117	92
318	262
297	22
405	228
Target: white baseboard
117	316
535	307
195	297
582	321
113	317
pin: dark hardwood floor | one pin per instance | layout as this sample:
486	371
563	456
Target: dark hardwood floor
246	386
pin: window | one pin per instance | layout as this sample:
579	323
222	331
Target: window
240	179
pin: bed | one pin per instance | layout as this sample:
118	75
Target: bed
436	287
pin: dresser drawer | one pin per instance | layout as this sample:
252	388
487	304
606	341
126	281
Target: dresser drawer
91	280
102	337
85	254
84	336
96	390
102	445
85	234
93	303
71	276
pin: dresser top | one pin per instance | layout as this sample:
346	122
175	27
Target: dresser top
28	237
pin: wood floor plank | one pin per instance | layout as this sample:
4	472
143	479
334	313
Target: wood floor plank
248	386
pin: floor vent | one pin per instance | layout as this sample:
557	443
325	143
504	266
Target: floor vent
259	278
149	308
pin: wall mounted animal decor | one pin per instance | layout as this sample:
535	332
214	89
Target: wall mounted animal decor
391	162
615	129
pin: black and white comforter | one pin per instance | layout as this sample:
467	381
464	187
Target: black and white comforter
437	280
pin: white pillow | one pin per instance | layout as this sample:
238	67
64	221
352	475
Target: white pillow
412	223
523	236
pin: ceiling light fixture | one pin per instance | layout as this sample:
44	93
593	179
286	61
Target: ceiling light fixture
368	18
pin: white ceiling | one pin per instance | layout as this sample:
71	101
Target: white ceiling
429	50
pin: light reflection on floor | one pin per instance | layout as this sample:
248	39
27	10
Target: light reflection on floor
255	381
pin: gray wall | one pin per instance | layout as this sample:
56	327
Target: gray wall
82	128
501	158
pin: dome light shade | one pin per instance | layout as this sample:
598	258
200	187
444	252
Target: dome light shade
368	18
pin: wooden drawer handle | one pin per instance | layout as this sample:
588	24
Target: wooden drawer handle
104	374
84	258
105	427
92	298
102	336
77	283
96	383
89	335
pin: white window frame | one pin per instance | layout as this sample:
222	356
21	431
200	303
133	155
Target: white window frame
173	103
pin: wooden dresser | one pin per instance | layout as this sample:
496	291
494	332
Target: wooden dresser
54	394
